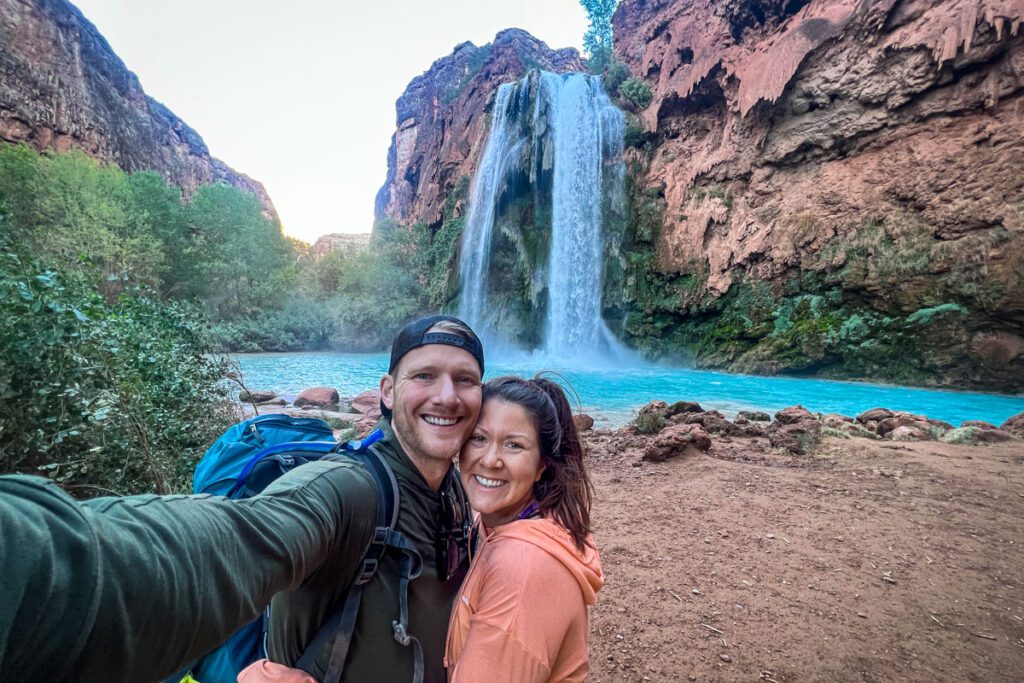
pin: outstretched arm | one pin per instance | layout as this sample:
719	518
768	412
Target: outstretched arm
134	588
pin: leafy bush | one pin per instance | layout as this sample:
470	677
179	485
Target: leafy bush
962	435
102	397
614	76
636	91
650	421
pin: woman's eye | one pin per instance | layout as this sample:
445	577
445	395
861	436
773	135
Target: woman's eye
514	446
477	438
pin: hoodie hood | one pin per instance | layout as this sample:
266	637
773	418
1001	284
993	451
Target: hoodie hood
556	541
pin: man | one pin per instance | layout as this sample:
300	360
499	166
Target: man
133	588
431	400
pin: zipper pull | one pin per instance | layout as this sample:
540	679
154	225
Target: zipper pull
256	433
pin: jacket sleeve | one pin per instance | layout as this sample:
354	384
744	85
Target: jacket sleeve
134	588
526	603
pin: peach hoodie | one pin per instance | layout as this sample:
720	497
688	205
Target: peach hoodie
521	614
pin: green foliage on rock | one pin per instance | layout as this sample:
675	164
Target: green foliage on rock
636	91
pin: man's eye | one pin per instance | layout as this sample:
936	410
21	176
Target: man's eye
423	376
468	381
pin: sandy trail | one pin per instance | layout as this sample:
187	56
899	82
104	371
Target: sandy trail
873	561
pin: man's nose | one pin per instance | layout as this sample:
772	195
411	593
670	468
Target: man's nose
446	391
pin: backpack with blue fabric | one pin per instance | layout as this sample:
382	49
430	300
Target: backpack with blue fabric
243	462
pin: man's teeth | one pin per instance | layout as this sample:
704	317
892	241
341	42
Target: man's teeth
440	421
488	483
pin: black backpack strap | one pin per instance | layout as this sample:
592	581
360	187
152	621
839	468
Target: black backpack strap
338	629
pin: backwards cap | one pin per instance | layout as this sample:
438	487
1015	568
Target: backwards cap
415	335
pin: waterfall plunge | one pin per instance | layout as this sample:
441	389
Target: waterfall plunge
555	147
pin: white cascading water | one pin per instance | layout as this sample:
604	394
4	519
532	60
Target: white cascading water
476	241
586	130
584	121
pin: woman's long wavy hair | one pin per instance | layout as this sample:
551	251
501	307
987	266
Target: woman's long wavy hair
564	491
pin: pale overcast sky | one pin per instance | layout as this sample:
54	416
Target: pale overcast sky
300	95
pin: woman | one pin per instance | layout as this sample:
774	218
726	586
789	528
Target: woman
521	614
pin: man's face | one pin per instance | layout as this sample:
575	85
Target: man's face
434	397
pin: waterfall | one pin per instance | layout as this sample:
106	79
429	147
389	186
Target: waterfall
533	246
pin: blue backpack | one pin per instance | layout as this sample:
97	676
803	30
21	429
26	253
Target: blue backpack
243	462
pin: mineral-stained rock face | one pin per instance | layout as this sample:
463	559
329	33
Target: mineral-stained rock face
829	186
442	120
62	87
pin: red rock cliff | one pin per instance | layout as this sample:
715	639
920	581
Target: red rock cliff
868	150
442	120
62	87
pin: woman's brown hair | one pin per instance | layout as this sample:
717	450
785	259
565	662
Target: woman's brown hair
564	491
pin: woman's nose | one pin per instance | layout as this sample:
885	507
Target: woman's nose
491	458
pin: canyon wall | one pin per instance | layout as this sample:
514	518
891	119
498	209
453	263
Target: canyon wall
828	187
62	87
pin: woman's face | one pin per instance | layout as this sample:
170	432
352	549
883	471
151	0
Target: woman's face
501	462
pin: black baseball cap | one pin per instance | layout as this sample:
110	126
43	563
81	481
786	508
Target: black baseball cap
416	334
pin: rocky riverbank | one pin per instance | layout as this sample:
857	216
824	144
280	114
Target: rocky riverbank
866	558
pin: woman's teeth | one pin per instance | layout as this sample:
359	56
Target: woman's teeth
488	483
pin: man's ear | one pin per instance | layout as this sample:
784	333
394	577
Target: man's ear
387	391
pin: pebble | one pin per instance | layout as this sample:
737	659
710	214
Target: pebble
695	591
769	535
725	658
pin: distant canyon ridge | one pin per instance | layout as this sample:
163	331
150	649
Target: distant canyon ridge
828	188
62	87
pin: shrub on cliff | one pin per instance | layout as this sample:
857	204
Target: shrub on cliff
637	92
101	397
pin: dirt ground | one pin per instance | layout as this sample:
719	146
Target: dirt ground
867	561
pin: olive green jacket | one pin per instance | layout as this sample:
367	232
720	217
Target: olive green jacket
132	589
374	655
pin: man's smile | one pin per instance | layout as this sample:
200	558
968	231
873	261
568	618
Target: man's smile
440	421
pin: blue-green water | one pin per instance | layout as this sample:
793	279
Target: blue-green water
613	393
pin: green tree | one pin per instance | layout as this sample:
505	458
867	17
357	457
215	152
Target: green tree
244	263
597	41
101	396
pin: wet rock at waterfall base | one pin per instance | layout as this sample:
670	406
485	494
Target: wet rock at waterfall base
583	422
676	441
256	396
368	403
711	420
836	421
1014	425
680	407
794	414
907	433
874	415
317	397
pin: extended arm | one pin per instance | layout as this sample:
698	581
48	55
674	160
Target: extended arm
133	588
